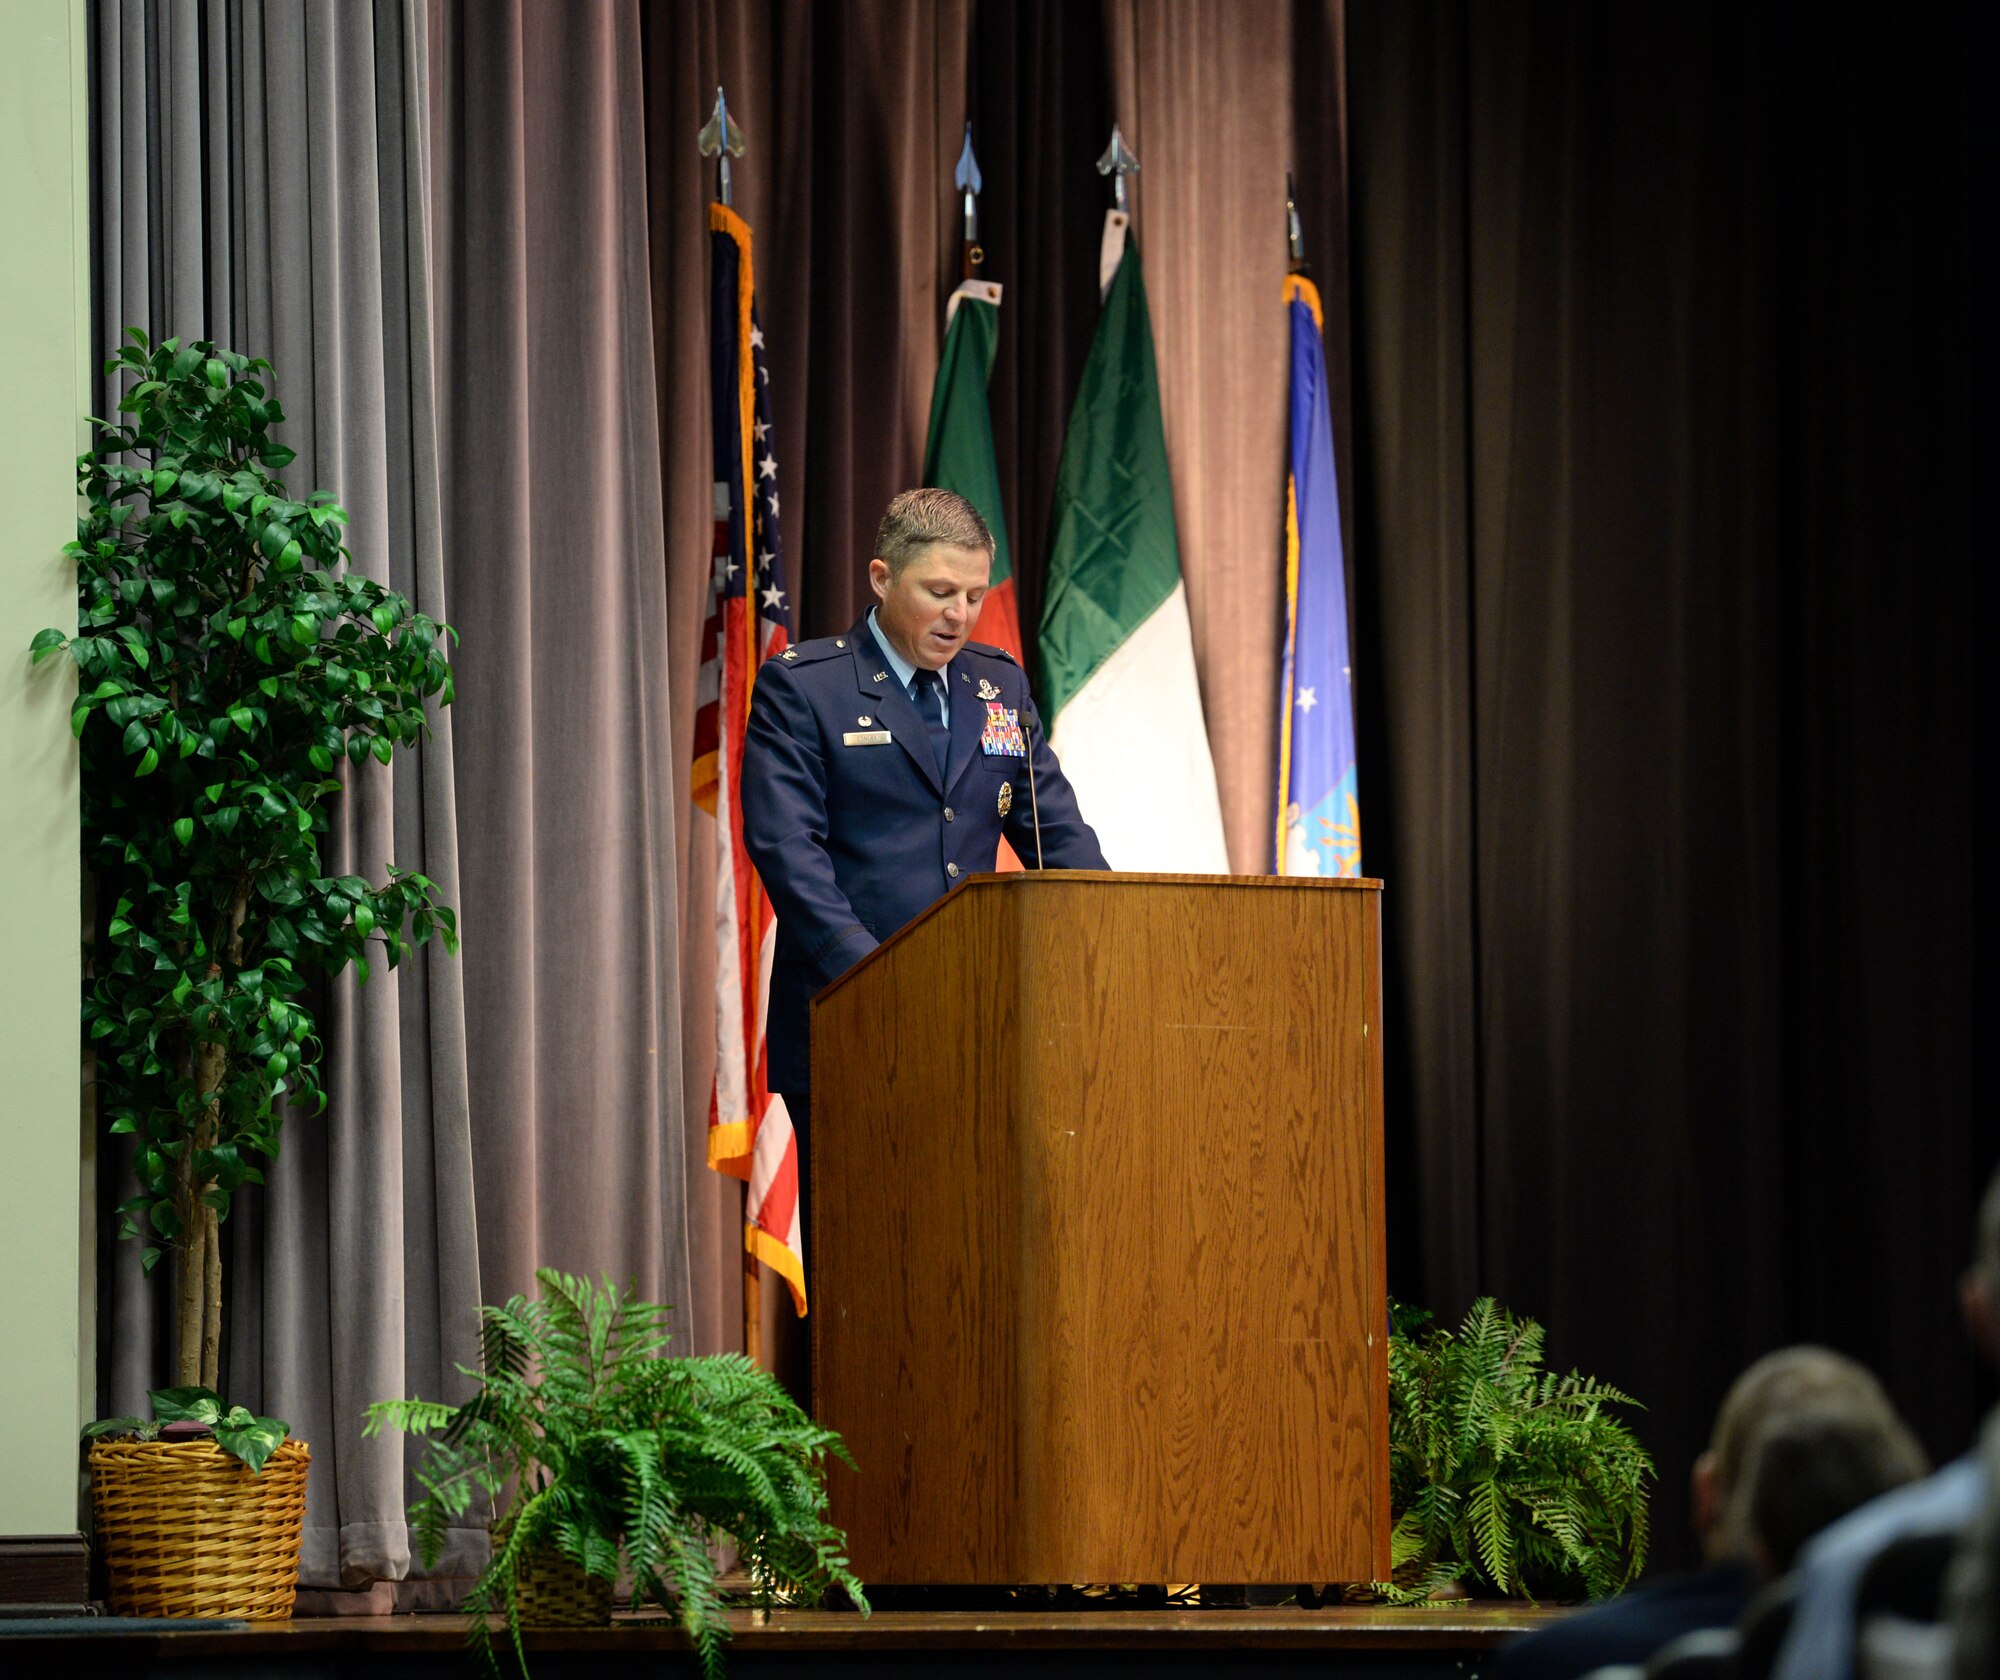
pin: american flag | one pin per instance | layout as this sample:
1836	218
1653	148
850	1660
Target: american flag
749	620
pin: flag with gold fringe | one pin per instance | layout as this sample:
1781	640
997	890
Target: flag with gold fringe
750	1134
1319	817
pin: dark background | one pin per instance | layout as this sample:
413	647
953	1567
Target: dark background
1661	331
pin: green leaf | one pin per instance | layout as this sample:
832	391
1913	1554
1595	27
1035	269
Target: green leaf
149	763
184	830
192	1404
45	643
252	1439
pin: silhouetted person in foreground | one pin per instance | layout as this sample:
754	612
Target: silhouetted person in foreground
1821	1643
1794	1382
1808	1469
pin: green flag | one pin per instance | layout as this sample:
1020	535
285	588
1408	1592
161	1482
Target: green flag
959	454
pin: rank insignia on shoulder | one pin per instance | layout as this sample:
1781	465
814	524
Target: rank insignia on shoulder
987	691
789	653
1006	797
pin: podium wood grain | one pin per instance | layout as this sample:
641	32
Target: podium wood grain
1096	1234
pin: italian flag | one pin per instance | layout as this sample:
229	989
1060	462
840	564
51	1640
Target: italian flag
959	456
1118	672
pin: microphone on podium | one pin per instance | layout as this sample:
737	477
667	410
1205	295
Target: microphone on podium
1028	741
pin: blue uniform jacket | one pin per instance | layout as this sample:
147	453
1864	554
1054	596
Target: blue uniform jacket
853	838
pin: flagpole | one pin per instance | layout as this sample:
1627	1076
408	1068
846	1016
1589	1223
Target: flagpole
721	139
1295	239
969	183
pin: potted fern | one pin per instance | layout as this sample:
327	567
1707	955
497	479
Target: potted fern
228	661
598	1451
1504	1473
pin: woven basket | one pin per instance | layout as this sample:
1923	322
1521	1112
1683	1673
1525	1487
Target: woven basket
186	1530
551	1590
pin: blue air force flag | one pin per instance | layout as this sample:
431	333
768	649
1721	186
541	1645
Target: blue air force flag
1319	817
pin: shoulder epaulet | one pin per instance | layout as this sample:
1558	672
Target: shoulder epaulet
820	647
991	651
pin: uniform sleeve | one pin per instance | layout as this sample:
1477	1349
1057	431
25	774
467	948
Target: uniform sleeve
785	825
1068	842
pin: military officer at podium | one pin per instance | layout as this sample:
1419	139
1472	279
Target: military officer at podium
882	767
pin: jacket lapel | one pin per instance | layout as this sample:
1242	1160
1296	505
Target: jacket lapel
887	701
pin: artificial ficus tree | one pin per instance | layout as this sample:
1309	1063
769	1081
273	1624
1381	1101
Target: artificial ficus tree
228	659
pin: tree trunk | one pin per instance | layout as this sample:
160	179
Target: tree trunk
188	1309
198	1339
211	1306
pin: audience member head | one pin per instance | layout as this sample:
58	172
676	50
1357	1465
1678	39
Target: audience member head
1979	1289
1809	1467
1776	1386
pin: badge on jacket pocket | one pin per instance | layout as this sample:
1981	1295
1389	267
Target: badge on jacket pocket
865	738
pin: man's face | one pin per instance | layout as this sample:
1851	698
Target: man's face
928	612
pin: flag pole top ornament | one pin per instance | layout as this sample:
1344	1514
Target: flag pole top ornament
1117	162
967	179
1295	239
721	137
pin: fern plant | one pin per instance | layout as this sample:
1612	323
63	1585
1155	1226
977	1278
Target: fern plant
1505	1472
590	1441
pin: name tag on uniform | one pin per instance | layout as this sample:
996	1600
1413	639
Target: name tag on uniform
865	738
1001	738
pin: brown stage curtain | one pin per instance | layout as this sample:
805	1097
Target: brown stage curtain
846	110
432	218
1205	93
555	531
231	202
1667	700
854	115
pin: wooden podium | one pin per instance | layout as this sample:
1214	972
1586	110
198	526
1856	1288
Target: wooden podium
1096	1234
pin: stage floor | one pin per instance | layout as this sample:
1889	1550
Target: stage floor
1356	1642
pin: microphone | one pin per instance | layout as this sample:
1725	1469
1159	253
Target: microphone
1028	740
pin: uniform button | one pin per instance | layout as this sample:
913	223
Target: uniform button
947	813
951	869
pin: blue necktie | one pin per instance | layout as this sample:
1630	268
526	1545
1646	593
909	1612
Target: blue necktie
927	690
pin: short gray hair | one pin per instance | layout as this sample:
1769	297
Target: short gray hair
1810	1467
1781	1384
928	518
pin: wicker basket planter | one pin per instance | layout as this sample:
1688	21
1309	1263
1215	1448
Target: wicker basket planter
186	1530
554	1591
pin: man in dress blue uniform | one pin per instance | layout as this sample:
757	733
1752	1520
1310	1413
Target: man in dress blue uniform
882	767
